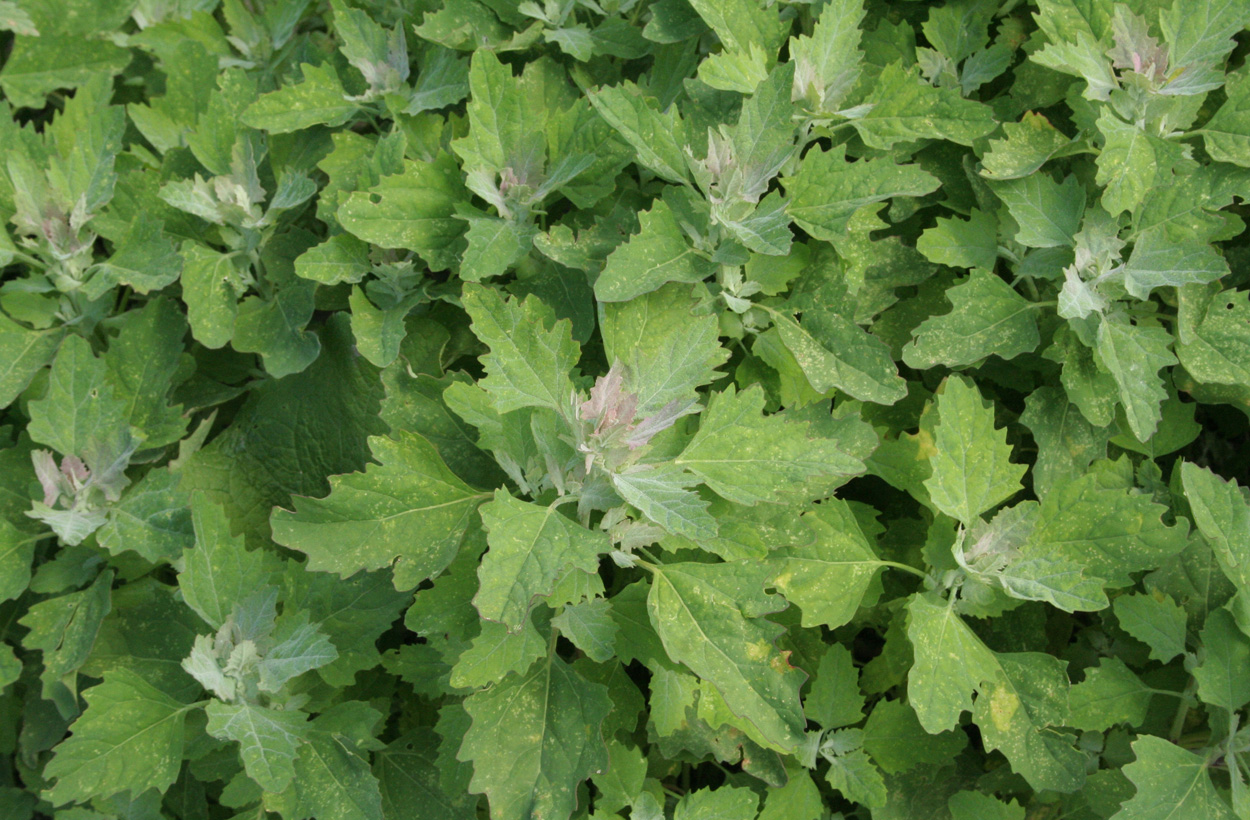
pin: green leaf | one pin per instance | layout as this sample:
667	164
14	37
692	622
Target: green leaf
897	742
408	510
534	738
152	519
142	363
38	66
978	806
828	572
1066	442
378	333
589	625
905	108
661	492
1226	652
318	100
64	630
1110	694
506	121
1159	260
80	415
268	739
531	548
1025	147
1133	355
130	738
740	71
989	318
972	470
1172	784
962	244
708	619
497	652
1227	134
341	258
1213	334
23	353
1157	622
656	255
495	245
17	549
409	779
1222	513
658	138
297	647
834	352
218	573
748	457
1131	163
413	210
738	23
828	189
1047	213
145	259
827	64
950	663
209	294
834	700
333	780
531	354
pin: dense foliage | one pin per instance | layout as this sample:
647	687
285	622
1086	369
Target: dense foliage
694	409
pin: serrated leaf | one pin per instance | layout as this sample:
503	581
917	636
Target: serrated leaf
1133	355
409	780
658	254
1222	514
977	806
971	243
1131	163
1226	653
318	100
834	700
64	631
988	318
830	570
950	664
657	137
341	258
834	352
662	493
828	189
1025	147
972	471
1048	213
152	519
297	646
531	354
905	108
589	625
80	415
1213	334
748	457
408	510
219	572
897	742
333	780
1111	693
1155	621
209	294
268	739
707	618
534	738
22	354
129	738
1172	784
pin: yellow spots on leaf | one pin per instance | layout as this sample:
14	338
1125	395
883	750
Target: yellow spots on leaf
758	650
1003	706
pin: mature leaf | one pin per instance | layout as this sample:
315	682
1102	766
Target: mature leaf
589	625
962	244
834	352
219	572
1213	336
333	780
130	738
1222	513
658	138
64	630
708	619
1172	784
409	779
972	471
905	108
661	493
408	510
1155	621
1110	694
80	415
318	100
989	318
658	254
534	738
1047	213
268	739
1133	355
951	663
1025	147
1220	676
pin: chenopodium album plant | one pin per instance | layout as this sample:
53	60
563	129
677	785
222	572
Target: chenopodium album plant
643	409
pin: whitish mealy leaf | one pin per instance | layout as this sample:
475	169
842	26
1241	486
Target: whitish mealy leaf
268	739
988	319
64	630
534	738
1133	355
589	625
971	243
1160	260
827	63
1111	693
658	254
708	619
1222	513
669	349
972	470
152	519
295	647
828	189
218	572
408	776
1110	530
905	108
662	493
414	210
1025	147
1048	213
748	457
1172	784
1226	653
318	100
129	738
531	548
1157	622
834	352
409	510
1015	711
531	354
951	663
1062	584
828	572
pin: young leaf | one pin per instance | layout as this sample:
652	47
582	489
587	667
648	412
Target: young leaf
268	739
